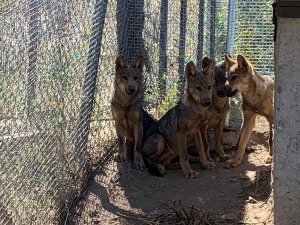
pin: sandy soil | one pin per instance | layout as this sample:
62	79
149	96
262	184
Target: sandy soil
119	194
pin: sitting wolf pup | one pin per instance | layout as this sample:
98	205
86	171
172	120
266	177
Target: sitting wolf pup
257	99
126	107
181	125
217	111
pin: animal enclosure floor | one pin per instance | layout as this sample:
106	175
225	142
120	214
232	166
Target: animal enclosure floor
119	194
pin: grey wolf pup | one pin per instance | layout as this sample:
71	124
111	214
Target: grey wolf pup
126	107
180	126
217	111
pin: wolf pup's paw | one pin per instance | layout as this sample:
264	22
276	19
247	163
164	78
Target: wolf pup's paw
138	163
231	163
209	158
224	157
208	165
122	156
190	174
269	160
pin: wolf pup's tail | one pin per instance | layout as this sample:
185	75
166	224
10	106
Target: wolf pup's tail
154	168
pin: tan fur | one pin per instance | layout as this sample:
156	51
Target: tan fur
180	126
127	109
258	99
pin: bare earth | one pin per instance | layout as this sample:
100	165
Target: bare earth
119	194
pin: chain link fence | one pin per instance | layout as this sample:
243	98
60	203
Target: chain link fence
56	82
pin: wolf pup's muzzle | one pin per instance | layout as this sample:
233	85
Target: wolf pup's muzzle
206	102
131	89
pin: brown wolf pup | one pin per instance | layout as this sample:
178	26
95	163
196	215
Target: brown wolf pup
126	106
217	111
257	99
181	125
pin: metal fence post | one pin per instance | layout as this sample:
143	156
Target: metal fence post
182	36
230	37
200	34
90	78
33	24
212	46
230	26
163	47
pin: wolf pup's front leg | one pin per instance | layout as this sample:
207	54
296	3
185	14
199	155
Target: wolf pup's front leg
247	127
122	149
204	131
184	157
219	141
138	137
202	155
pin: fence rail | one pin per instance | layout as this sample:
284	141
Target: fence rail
56	81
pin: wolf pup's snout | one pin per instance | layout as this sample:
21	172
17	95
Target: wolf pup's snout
131	89
207	101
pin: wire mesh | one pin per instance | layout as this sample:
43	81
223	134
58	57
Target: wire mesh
57	72
176	31
254	33
45	62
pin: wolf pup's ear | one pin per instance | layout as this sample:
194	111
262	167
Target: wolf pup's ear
229	61
205	62
139	63
190	69
243	63
229	55
209	68
120	63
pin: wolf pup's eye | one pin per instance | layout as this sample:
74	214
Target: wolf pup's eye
124	77
233	78
198	88
209	87
135	77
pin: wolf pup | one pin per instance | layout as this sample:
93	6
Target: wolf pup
181	125
126	107
217	111
257	99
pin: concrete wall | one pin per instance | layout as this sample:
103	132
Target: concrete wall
287	123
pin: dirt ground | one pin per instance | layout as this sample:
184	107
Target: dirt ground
119	194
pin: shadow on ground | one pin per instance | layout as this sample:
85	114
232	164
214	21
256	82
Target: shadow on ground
118	194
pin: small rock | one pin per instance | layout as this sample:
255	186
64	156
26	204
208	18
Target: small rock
230	216
233	179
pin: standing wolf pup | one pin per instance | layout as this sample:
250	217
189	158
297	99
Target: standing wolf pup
217	111
181	125
257	99
126	106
